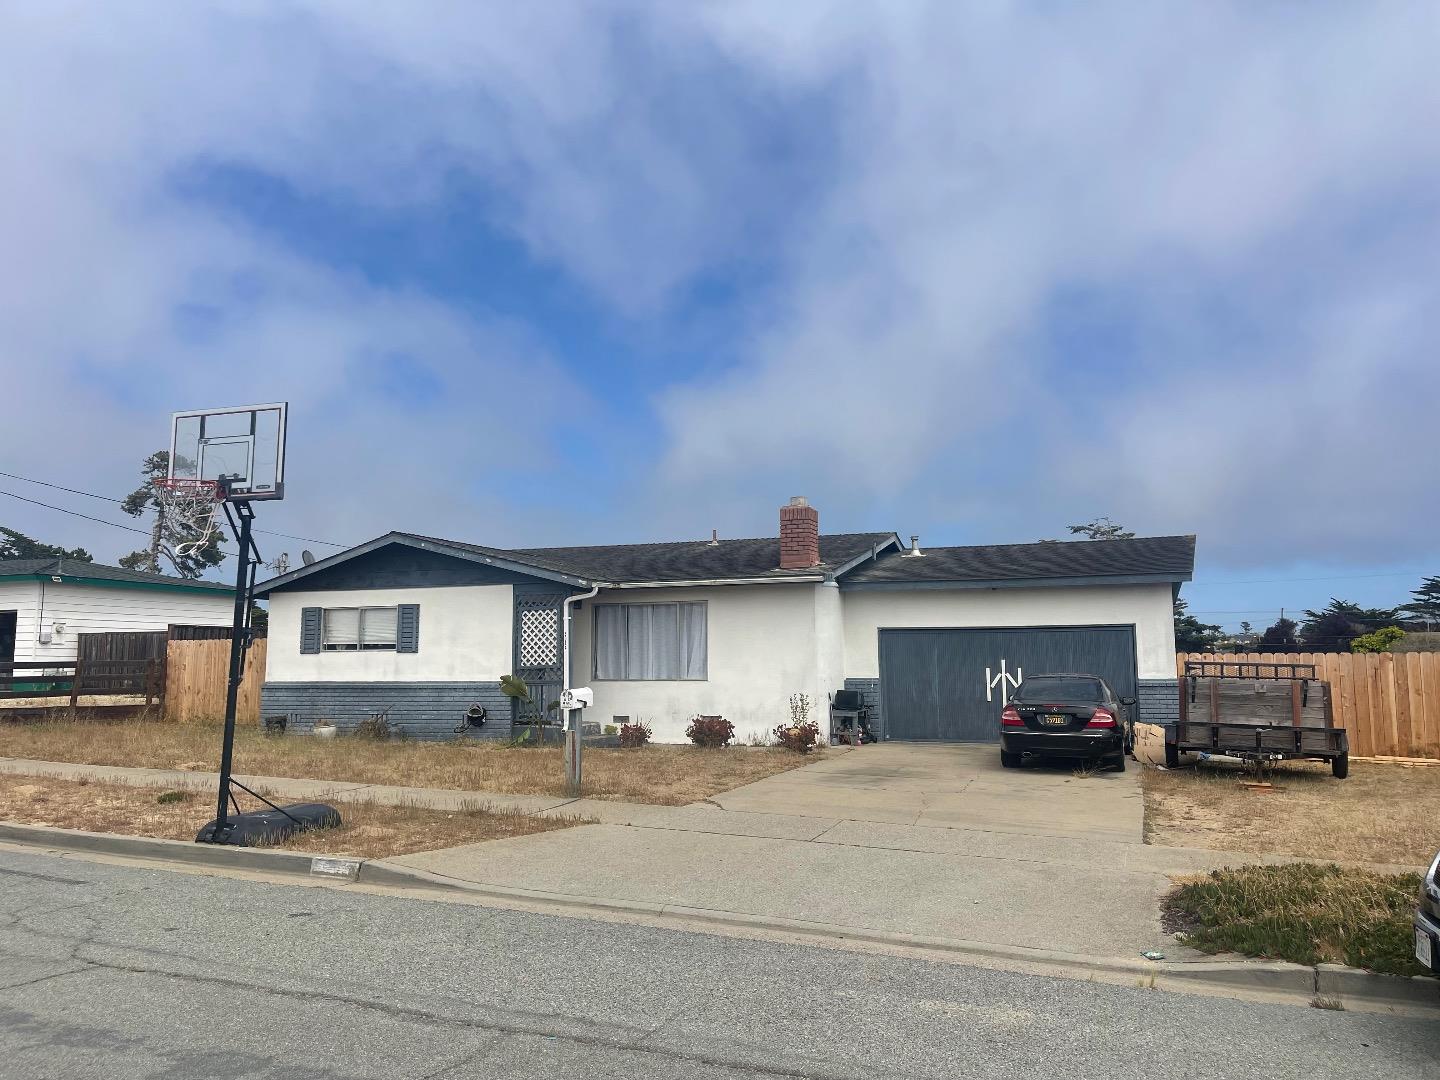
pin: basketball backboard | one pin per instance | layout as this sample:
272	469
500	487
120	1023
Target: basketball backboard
245	446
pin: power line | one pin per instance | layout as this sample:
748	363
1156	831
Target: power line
76	513
98	521
120	502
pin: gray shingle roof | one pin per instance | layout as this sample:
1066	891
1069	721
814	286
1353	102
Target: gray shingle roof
1160	557
97	571
685	560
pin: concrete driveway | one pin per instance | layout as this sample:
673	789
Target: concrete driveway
927	839
949	785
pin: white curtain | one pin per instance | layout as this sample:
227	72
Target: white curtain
610	641
693	641
650	641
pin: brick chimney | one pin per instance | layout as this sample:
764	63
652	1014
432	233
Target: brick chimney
799	535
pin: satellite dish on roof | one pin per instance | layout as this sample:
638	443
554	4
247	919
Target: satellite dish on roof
307	557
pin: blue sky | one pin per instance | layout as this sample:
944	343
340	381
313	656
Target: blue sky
621	271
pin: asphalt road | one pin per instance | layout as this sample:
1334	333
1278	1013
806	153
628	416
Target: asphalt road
118	972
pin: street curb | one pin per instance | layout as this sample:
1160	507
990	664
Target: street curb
1349	985
1299	982
150	847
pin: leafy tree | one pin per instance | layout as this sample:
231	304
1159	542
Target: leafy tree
1425	601
16	545
1191	635
1282	632
1342	620
1377	641
1102	528
166	534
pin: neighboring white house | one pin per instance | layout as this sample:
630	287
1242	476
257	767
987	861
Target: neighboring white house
420	628
46	604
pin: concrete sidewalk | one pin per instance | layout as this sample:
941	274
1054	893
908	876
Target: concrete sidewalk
927	840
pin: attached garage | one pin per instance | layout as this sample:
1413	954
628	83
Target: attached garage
949	683
936	639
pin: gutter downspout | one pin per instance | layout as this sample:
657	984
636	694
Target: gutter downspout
572	729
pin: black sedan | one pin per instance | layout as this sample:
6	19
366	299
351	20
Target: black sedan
1065	715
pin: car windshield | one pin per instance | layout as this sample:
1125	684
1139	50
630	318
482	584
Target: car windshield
1061	688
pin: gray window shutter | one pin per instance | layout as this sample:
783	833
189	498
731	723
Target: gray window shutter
310	618
407	636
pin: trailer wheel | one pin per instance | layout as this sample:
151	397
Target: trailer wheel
1340	766
1172	756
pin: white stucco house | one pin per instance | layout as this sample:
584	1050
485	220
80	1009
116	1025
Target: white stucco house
424	627
46	604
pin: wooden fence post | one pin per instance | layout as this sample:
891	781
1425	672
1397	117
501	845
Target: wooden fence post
75	685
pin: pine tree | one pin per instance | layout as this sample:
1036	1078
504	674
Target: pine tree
1425	601
16	545
1102	528
167	534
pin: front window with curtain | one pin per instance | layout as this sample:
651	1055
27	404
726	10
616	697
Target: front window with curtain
355	629
650	641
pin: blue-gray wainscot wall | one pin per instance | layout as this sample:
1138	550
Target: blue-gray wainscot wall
1158	700
422	710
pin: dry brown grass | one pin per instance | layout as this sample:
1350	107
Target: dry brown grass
1381	814
370	830
667	775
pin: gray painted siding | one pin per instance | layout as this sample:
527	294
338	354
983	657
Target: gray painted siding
1158	701
871	689
428	710
402	567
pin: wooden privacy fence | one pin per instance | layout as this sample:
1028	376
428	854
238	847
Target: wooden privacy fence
70	681
1389	703
197	673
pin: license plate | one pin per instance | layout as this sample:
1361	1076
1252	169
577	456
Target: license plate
1424	949
1055	719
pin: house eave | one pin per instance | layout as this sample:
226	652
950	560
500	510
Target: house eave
865	556
115	583
1018	583
285	581
795	579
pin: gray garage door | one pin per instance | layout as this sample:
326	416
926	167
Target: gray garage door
951	684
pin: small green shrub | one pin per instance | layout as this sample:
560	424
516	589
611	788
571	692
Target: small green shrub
611	729
710	731
1377	641
173	797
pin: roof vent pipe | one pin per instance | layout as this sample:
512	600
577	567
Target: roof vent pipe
714	537
914	552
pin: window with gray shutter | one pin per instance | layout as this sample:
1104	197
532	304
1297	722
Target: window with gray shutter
310	619
407	638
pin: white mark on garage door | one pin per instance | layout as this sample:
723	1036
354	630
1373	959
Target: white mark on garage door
1000	678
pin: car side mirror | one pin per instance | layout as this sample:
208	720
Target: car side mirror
1127	701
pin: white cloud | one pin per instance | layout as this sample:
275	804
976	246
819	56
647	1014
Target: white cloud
993	161
964	166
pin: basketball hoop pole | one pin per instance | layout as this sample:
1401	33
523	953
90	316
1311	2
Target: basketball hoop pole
248	557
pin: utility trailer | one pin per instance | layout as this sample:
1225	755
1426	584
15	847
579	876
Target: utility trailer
1257	712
